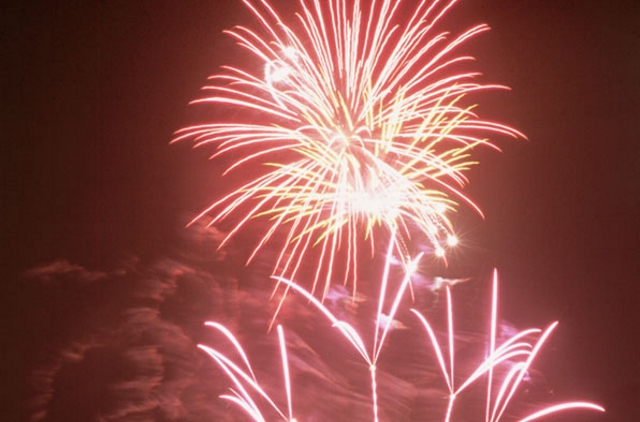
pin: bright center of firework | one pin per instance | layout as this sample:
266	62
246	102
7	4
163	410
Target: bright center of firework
382	203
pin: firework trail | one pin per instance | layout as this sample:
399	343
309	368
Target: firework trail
359	115
512	358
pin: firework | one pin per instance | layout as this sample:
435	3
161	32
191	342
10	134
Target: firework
513	358
354	127
359	115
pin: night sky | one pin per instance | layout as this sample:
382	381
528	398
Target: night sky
95	199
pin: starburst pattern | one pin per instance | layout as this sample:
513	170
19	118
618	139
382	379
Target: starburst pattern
359	115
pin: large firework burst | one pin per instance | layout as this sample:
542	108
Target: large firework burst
359	114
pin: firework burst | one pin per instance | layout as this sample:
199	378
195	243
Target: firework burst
360	118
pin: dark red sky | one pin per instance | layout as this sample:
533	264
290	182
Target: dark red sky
92	91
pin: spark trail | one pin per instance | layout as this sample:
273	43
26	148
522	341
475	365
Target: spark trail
513	357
